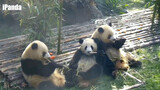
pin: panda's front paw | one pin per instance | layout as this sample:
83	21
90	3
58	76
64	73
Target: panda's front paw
119	43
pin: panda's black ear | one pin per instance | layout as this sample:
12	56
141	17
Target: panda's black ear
80	41
34	46
100	30
110	24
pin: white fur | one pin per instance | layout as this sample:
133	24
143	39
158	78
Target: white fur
85	63
104	36
35	54
88	60
115	54
88	42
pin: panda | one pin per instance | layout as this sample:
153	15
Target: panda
111	45
85	63
39	70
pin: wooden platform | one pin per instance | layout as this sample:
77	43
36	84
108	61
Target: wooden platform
135	26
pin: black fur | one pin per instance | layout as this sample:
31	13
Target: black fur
80	41
134	63
100	30
34	46
96	40
103	59
35	67
74	62
110	24
119	43
71	77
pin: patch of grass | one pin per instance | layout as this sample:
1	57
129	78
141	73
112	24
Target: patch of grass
149	72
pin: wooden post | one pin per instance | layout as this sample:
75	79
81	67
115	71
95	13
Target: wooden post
154	13
158	1
59	27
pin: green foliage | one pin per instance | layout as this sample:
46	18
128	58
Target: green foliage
112	6
116	4
148	3
38	17
120	6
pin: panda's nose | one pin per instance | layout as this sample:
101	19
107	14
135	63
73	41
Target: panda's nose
89	51
113	39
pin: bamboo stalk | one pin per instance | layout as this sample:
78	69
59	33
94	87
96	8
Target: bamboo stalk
133	86
59	27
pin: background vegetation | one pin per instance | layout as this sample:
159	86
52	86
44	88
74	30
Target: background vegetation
38	17
114	7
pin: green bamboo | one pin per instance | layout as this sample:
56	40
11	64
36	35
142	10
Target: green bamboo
59	28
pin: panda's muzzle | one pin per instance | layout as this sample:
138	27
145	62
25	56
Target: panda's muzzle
47	57
113	38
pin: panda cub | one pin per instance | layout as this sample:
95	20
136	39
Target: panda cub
38	70
111	45
85	62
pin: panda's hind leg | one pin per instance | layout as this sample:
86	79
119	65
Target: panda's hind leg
92	73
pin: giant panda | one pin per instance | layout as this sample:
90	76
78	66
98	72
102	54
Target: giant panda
85	63
111	44
38	70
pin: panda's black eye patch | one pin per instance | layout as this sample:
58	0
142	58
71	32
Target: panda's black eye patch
109	36
85	48
43	54
92	47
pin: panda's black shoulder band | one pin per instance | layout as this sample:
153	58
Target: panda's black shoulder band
35	67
